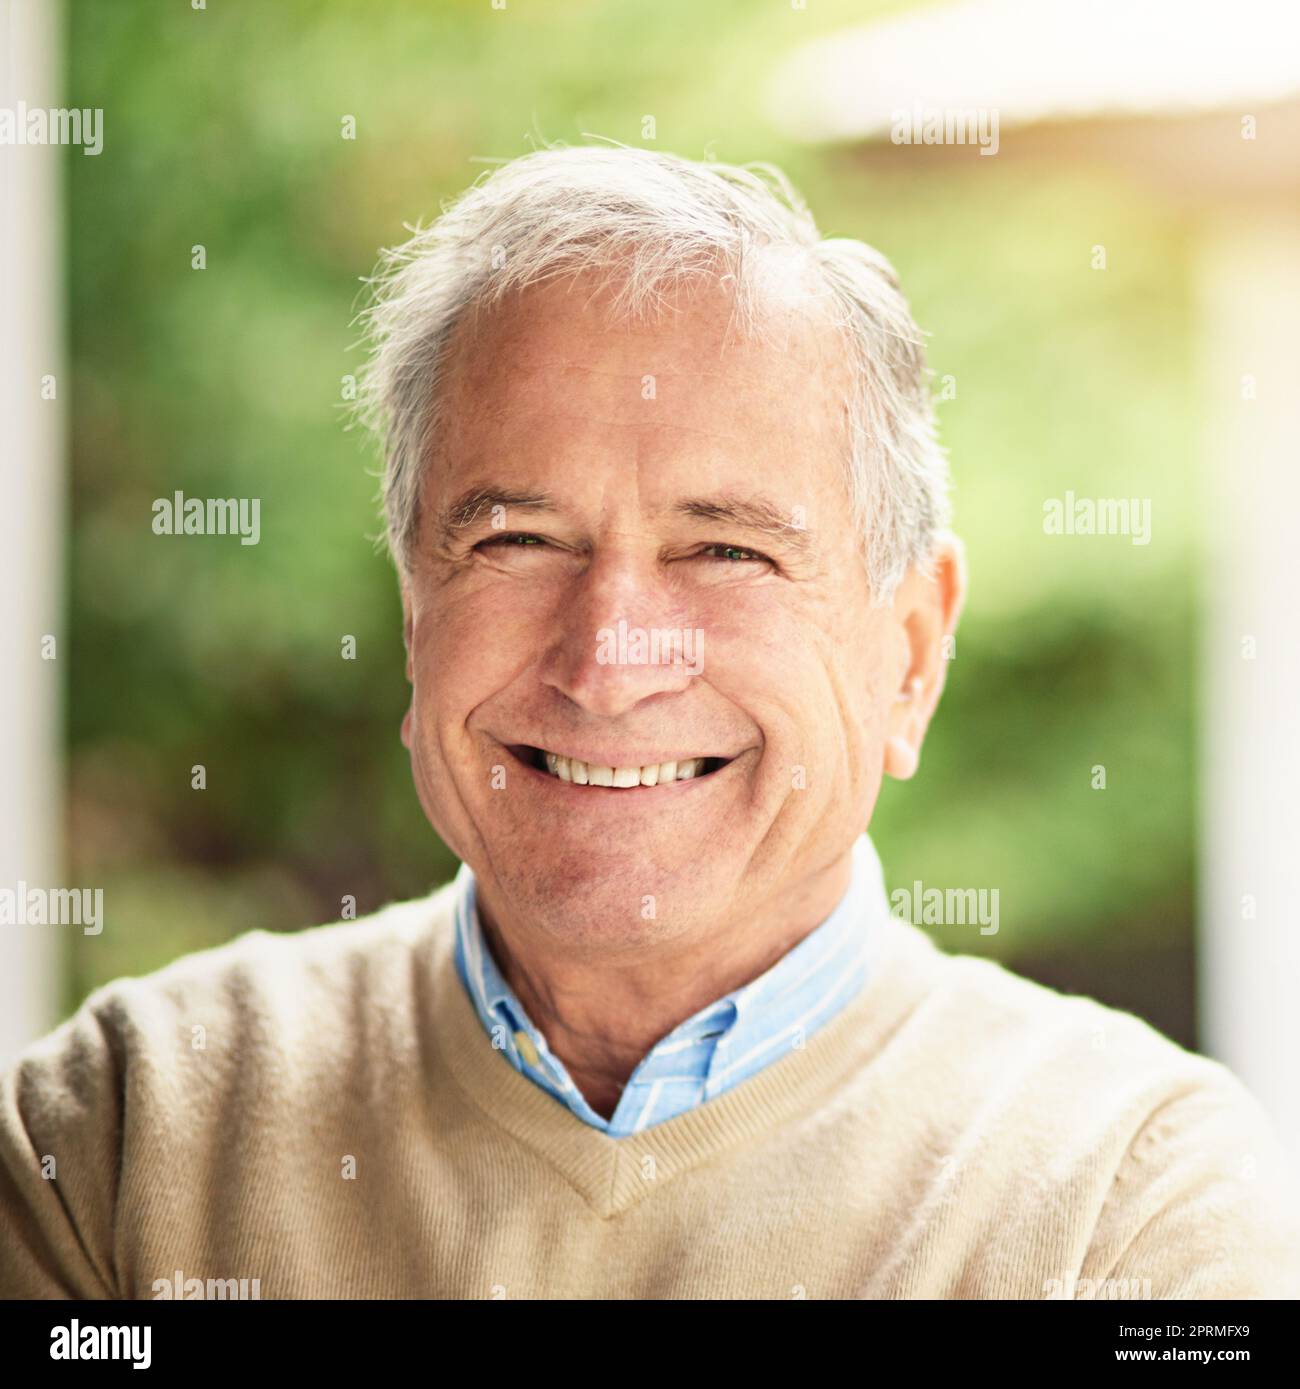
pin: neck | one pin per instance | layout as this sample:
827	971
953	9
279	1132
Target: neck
601	1017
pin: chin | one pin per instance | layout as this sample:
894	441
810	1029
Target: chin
604	892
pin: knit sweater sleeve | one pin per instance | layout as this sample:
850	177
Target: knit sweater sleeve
1204	1203
60	1127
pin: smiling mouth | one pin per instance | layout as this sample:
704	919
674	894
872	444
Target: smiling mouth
580	773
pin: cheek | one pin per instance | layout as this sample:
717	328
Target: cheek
857	675
465	651
867	792
798	680
868	718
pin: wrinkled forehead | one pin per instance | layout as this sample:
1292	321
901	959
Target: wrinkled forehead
564	365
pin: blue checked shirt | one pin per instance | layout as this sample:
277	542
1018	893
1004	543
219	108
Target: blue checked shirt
725	1042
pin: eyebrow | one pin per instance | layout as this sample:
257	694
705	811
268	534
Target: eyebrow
757	514
466	509
749	513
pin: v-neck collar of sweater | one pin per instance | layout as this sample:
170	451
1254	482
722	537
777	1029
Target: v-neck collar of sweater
615	1174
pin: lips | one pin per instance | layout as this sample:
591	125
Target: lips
625	777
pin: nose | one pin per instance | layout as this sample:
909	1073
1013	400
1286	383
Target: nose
622	639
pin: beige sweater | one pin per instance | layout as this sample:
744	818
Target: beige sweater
323	1112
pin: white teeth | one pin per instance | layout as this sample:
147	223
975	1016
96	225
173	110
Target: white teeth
592	774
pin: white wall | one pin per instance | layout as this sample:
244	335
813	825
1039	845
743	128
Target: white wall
31	521
1249	279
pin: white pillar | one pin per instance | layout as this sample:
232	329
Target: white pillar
1249	957
31	521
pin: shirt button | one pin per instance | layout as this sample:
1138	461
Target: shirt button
526	1049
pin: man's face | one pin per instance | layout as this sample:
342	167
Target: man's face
671	479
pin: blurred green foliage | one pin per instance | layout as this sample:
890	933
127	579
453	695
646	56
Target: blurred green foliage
223	129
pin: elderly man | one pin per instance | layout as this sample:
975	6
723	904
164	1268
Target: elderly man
667	509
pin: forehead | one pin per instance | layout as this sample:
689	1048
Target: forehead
554	375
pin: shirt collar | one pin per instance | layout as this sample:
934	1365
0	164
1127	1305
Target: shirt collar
739	1032
809	983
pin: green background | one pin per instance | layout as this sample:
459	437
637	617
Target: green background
223	129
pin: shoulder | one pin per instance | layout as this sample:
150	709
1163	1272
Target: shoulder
993	1020
184	1070
264	1000
1180	1171
280	978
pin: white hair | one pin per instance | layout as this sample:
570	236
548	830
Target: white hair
644	223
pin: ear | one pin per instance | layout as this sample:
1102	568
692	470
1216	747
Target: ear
927	607
408	623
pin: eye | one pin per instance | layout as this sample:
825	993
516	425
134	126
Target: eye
735	554
518	539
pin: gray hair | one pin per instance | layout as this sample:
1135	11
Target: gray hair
646	222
